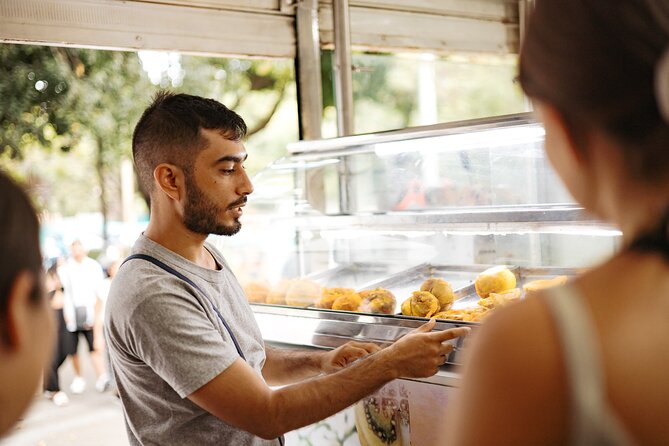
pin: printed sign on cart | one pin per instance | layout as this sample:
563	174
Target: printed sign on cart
401	413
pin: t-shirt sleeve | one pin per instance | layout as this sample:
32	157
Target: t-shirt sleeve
173	335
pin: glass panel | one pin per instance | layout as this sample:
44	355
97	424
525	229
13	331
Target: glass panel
392	91
494	167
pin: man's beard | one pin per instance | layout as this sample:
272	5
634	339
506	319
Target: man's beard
200	213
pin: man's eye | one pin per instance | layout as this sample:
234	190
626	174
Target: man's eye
227	171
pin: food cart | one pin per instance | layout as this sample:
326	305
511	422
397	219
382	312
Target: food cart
391	210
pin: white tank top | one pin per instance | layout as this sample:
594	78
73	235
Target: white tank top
592	420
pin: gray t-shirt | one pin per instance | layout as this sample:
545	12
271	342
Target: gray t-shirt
166	341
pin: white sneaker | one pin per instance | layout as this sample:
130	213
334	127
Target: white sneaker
60	399
102	383
78	385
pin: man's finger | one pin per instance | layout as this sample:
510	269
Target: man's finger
446	348
353	353
426	327
451	333
369	346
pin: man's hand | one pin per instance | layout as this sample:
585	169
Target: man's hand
420	353
241	398
346	354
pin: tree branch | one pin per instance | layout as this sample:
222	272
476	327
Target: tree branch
265	120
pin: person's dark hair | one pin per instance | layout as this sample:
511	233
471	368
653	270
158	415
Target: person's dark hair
169	131
19	242
595	62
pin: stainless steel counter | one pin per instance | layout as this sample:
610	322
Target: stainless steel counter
325	329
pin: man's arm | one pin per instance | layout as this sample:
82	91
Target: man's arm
98	322
286	366
241	398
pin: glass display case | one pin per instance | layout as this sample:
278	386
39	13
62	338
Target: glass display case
394	209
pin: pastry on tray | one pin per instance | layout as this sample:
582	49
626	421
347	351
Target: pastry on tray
347	302
500	299
421	303
256	292
330	295
532	288
303	293
474	314
440	289
277	294
378	300
494	280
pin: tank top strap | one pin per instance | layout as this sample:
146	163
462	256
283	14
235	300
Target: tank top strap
592	422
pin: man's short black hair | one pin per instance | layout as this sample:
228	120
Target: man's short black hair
169	131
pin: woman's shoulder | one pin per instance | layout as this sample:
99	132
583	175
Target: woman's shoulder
513	380
513	334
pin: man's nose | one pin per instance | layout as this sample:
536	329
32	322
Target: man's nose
246	186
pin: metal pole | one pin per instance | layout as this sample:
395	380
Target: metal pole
309	84
343	68
524	10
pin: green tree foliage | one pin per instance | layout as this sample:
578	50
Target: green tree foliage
69	100
35	87
67	114
261	91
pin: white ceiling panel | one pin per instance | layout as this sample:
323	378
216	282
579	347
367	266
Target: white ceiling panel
138	25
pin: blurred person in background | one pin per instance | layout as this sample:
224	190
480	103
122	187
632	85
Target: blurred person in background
81	277
587	363
64	345
26	321
98	328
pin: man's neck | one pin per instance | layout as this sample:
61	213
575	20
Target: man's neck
183	242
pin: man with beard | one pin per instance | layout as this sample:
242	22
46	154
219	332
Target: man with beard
189	361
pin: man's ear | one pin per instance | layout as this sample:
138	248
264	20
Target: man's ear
170	179
17	322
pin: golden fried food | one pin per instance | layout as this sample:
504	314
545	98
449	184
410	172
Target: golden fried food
532	288
500	299
488	303
256	292
476	315
421	303
330	295
303	293
277	295
379	301
494	280
508	295
448	314
406	307
347	302
440	289
466	314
